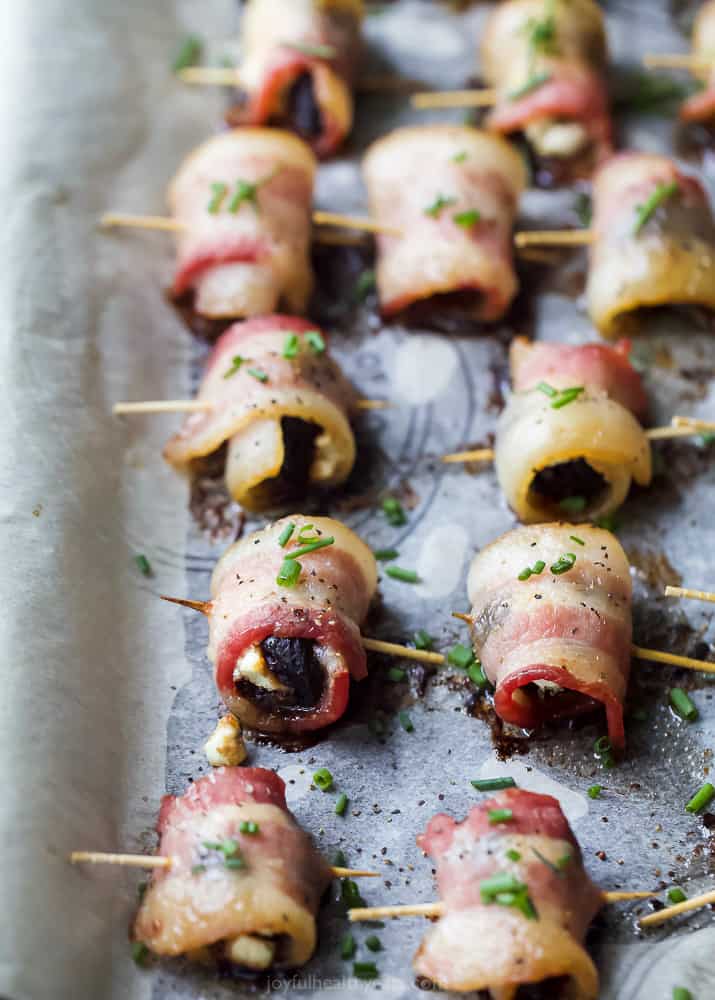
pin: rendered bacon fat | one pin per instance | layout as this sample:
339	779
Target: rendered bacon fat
452	192
546	59
285	418
246	896
531	935
654	242
299	63
701	107
552	623
245	198
283	655
569	439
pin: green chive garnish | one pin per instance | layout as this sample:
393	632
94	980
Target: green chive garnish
493	784
257	374
538	567
573	505
563	564
567	396
405	575
603	749
676	895
304	550
373	943
315	341
340	861
680	993
189	53
234	863
394	512
535	81
701	799
460	157
143	565
467	219
513	855
500	816
476	674
423	640
594	791
291	346
323	779
609	522
460	656
506	889
579	541
218	193
140	952
245	191
365	970
350	894
396	674
286	534
548	390
647	210
438	206
682	704
341	805
249	826
584	209
366	283
289	573
347	946
406	722
198	869
385	555
236	362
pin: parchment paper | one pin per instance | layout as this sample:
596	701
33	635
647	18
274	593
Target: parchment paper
107	694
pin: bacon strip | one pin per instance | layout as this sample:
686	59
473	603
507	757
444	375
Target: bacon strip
422	180
252	395
668	261
282	40
572	629
701	107
327	605
567	71
248	252
201	902
481	945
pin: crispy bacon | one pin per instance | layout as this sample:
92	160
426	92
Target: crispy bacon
244	199
455	217
701	107
201	902
502	944
667	259
556	643
327	606
284	41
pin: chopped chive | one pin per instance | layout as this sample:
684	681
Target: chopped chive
506	889
289	573
706	439
198	869
423	640
406	722
365	970
308	533
584	209
548	390
140	952
304	550
438	205
229	847
189	53
538	567
676	895
350	894
563	564
535	81
460	656
525	574
340	861
341	805
493	784
373	943
236	362
573	505
286	534
594	792
646	211
234	863
405	575
475	673
291	346
603	749
682	705
249	826
143	565
701	798
323	779
513	855
564	861
257	374
460	157
310	49
680	993
555	868
218	193
385	555
500	816
365	284
245	191
609	522
394	512
467	219
141	890
579	541
347	946
396	674
315	341
567	396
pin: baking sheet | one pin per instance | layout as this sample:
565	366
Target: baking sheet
108	695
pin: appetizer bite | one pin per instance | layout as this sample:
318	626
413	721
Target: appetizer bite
551	623
701	107
281	406
286	608
653	242
569	441
517	901
452	192
546	60
245	881
298	67
243	200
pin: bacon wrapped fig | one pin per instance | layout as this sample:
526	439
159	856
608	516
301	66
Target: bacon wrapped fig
282	405
701	106
546	59
569	439
286	608
298	67
551	623
245	882
654	242
517	899
452	192
245	200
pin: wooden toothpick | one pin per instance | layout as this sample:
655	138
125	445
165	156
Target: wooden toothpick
160	861
693	595
680	60
555	238
695	903
408	652
483	98
165	223
204	406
